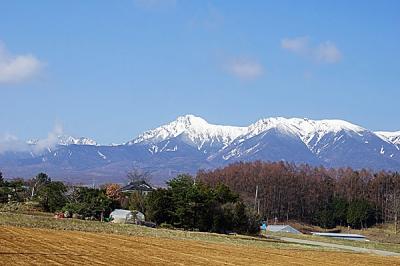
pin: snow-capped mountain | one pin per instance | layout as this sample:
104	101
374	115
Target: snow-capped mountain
332	142
329	142
190	143
191	130
66	140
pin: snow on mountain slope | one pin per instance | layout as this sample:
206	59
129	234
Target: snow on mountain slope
190	143
66	140
393	137
306	129
192	130
274	144
330	142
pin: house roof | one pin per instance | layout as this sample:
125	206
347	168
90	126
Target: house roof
137	186
276	227
281	228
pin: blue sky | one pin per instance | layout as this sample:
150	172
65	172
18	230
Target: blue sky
112	69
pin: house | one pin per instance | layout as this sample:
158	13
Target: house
140	186
282	229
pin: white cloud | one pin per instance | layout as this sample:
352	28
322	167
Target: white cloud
244	68
50	141
17	68
325	52
298	45
11	143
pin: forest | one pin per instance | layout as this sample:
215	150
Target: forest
315	195
234	198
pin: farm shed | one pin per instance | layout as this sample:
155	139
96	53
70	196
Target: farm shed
282	229
126	216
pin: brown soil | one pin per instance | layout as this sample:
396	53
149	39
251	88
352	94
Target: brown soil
28	246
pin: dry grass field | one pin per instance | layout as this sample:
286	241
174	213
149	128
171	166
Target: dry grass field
33	246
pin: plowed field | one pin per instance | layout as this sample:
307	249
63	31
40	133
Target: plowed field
31	246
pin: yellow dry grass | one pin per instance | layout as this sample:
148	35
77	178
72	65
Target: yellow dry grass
32	246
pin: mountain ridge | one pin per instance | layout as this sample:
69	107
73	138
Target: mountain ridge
190	143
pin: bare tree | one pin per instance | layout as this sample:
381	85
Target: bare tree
394	201
39	182
138	175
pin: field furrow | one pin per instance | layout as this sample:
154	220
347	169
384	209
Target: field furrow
29	246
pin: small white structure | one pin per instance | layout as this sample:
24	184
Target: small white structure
342	236
126	216
282	229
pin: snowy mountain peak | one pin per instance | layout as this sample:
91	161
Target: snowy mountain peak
392	137
194	128
304	128
68	140
190	120
199	131
265	124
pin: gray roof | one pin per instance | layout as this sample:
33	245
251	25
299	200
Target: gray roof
282	228
137	186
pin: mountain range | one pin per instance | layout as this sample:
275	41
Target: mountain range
190	143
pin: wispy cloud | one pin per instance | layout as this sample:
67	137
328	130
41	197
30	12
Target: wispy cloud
9	142
17	68
50	141
325	52
244	68
298	45
154	4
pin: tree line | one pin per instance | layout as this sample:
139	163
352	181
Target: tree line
316	195
56	196
184	203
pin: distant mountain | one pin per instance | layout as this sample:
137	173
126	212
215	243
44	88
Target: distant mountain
191	130
67	140
190	143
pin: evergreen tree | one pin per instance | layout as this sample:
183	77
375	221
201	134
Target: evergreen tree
340	206
359	214
160	207
52	196
1	179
